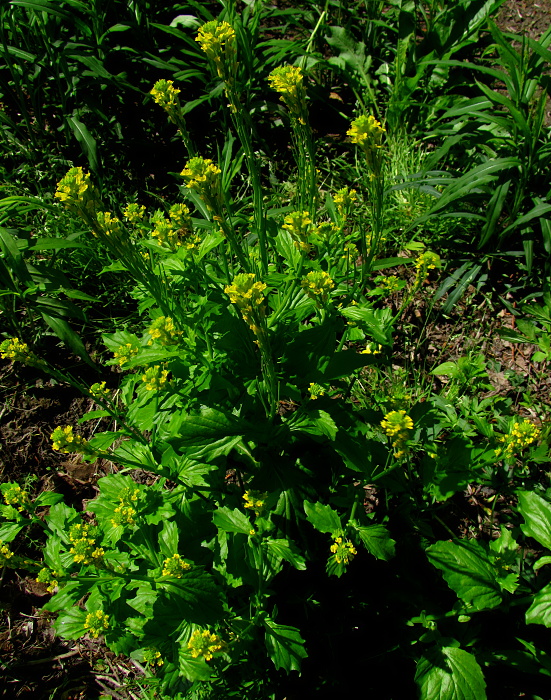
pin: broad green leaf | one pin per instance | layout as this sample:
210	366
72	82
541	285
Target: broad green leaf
193	669
65	333
449	673
468	570
537	515
322	517
286	550
539	611
376	539
232	520
70	623
285	645
82	135
208	434
542	561
48	498
9	531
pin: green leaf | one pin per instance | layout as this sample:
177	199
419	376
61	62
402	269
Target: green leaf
284	549
193	669
449	673
70	624
208	434
376	322
376	540
468	570
537	515
232	520
322	517
9	531
83	136
540	611
48	498
285	646
65	333
542	561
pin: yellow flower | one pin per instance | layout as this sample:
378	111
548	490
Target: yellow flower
84	548
64	440
248	296
299	225
49	577
317	285
99	390
397	425
203	176
109	225
96	623
155	378
255	501
521	435
315	391
344	199
134	213
289	82
175	566
366	131
166	95
166	234
343	550
14	495
72	188
217	40
205	644
125	512
124	353
5	553
17	351
163	330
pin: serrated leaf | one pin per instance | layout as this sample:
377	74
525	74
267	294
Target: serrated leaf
285	646
376	540
450	673
468	570
537	515
232	520
540	610
322	517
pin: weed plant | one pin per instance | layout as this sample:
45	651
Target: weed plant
261	408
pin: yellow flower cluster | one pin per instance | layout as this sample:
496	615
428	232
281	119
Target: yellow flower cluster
14	495
299	225
521	435
217	40
14	349
152	657
64	440
180	215
372	349
397	425
73	188
289	82
96	623
344	199
155	378
343	550
315	391
427	261
99	390
205	644
388	283
124	353
109	225
125	512
84	549
163	330
175	566
367	133
49	577
248	296
203	176
166	234
5	553
317	285
255	500
134	213
166	95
